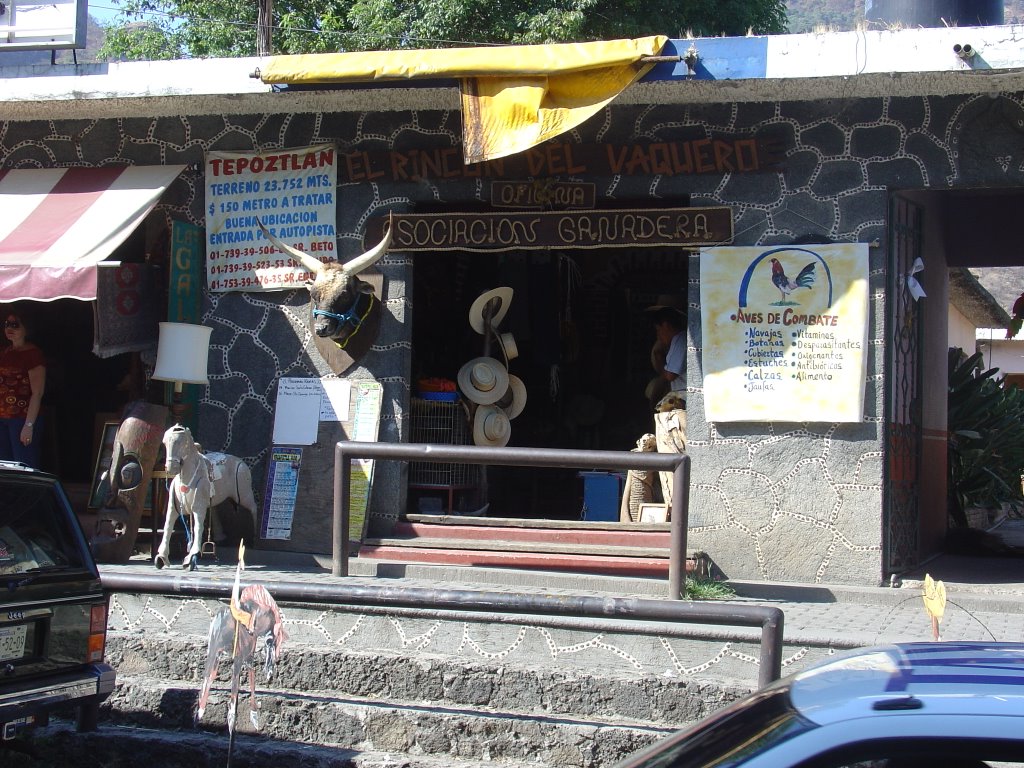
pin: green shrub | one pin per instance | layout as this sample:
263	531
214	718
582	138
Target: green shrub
986	437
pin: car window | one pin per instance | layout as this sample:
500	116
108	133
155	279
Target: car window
35	532
916	753
735	735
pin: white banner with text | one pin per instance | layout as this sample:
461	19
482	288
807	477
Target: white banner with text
292	192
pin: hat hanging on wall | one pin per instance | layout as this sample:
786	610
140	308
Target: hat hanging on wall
491	427
507	342
483	380
514	400
476	312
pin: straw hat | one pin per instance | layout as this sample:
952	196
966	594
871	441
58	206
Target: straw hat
667	301
507	342
491	427
514	400
476	312
483	380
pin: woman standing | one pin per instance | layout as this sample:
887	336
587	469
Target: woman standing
22	379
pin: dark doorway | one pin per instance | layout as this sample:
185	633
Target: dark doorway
583	343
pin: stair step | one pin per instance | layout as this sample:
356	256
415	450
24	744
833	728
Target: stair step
322	718
507	534
60	744
621	561
515	545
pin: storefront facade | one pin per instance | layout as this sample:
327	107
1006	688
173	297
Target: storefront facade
786	159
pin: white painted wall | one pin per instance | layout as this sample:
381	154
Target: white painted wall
961	331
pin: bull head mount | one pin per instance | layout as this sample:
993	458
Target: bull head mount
341	301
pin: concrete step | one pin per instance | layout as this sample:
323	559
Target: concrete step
636	550
505	691
324	718
619	561
117	745
490	529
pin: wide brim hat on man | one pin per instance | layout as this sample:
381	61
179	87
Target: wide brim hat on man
514	400
667	301
483	380
476	312
491	427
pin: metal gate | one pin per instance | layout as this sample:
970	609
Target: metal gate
904	341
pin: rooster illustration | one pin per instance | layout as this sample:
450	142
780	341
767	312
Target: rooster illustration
787	286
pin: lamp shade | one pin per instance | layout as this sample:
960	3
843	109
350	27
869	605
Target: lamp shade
182	352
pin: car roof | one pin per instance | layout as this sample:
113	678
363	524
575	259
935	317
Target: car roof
947	678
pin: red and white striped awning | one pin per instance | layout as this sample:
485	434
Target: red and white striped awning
56	224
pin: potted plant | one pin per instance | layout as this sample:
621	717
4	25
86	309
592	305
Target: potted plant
986	438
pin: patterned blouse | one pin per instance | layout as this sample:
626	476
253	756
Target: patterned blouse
15	388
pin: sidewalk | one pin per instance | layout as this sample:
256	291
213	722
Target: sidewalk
985	595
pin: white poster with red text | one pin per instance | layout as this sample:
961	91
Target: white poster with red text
292	192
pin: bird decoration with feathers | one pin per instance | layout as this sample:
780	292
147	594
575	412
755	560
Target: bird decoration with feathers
1016	317
785	285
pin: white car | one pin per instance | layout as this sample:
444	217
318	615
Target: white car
913	705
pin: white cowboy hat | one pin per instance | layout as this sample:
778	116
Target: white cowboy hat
514	400
491	427
476	312
507	342
483	380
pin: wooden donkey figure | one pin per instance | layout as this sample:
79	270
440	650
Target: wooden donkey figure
199	482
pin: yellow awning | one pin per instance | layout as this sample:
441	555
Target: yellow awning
513	97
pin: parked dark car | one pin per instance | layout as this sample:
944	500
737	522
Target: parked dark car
53	612
914	705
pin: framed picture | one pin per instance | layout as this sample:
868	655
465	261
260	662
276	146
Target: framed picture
104	455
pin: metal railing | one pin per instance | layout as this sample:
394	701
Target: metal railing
676	463
490	605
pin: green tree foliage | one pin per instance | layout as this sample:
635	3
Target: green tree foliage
206	28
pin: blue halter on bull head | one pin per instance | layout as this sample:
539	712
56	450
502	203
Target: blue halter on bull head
341	301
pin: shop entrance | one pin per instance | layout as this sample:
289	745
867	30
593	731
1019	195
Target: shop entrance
82	392
583	341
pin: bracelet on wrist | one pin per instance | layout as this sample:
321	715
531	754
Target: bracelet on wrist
29	424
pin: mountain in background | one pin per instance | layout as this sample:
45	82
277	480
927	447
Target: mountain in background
846	15
93	40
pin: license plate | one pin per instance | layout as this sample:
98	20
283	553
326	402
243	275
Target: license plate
12	641
12	728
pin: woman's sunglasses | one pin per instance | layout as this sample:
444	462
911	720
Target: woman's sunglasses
12	324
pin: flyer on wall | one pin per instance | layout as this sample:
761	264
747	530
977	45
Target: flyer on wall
784	332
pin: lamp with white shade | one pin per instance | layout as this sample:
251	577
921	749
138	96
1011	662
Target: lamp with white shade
181	356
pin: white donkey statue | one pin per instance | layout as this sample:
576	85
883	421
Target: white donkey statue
199	482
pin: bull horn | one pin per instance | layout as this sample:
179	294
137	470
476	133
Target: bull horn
359	263
310	263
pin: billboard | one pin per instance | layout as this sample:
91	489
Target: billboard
29	25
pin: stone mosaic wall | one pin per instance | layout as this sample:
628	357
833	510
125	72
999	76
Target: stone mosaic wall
784	501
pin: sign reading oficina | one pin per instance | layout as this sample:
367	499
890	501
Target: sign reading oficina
784	332
292	192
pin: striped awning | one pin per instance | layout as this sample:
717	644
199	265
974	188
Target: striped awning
56	224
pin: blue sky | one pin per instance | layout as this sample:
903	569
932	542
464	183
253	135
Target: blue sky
104	11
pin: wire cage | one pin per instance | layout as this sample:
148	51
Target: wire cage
444	423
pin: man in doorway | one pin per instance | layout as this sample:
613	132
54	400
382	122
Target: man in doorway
668	356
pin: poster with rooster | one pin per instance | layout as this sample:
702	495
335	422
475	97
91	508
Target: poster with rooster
785	332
